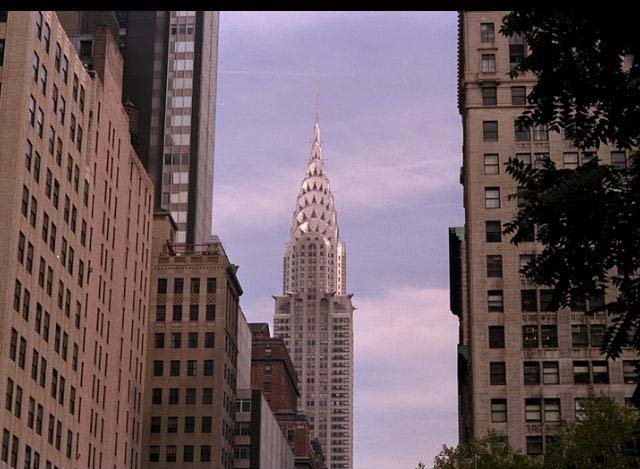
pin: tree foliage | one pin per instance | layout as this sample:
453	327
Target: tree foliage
605	438
587	220
587	81
491	452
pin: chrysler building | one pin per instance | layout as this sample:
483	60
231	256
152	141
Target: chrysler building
314	314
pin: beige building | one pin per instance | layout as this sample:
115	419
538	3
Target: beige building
522	366
76	217
314	314
190	387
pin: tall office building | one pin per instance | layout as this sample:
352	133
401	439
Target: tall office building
76	215
314	315
522	366
192	354
170	75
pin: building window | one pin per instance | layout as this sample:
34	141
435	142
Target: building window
193	339
494	266
552	410
211	285
600	370
487	33
162	286
579	335
1	52
580	413
490	131
191	367
491	164
516	51
630	371
176	340
522	133
210	312
549	335
171	453
159	340
193	312
493	231
195	285
174	368
161	312
545	300
532	410
539	160
172	424
174	396
589	156
529	301
207	396
496	336
187	453
525	260
618	159
498	410
154	453
534	445
209	339
540	133
531	373
177	312
208	368
205	453
529	336
492	197
598	332
581	372
489	95
156	423
495	301
158	366
550	373
156	396
488	63
518	95
497	373
178	285
570	160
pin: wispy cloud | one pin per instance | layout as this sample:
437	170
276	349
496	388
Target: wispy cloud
405	362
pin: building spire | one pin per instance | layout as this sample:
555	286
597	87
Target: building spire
316	132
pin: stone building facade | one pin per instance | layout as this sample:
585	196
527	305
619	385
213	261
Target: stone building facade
76	213
522	366
192	353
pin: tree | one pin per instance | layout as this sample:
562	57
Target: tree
491	452
604	438
587	220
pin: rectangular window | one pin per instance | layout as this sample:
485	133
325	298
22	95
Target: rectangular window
550	373
529	301
530	337
552	410
534	445
579	335
172	424
531	373
171	453
516	51
540	133
491	164
210	312
158	366
581	372
539	160
177	313
189	424
195	285
600	370
161	312
532	410
495	301
487	33
154	453
496	336
209	339
522	134
190	398
208	368
570	160
618	159
630	371
178	285
191	367
518	95
490	131
497	373
159	340
156	396
488	63
549	335
498	410
193	312
211	285
489	95
207	396
162	286
494	266
176	340
492	197
174	369
493	231
193	339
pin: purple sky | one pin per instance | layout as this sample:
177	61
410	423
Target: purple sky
391	137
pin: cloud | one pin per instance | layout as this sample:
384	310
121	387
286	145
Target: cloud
405	368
